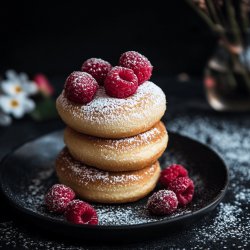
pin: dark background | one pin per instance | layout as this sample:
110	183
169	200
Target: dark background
56	38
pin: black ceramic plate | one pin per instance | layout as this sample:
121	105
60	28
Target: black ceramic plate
28	172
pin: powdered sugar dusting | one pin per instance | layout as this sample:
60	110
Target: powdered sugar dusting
162	202
126	214
98	68
138	63
80	87
228	135
121	82
104	109
130	143
227	227
87	174
58	197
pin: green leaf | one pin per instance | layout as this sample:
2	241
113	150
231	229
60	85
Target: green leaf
45	110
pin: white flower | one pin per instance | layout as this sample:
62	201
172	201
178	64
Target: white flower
16	105
18	84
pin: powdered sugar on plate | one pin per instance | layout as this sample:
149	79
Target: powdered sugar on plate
230	137
32	196
31	191
227	227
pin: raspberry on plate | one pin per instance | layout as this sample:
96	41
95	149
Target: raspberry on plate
98	68
80	212
183	188
121	82
80	87
171	173
162	202
138	63
58	197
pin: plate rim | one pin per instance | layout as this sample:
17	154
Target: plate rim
152	224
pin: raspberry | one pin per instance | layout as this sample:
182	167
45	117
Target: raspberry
121	82
162	202
80	212
138	63
58	197
98	68
80	87
171	173
183	188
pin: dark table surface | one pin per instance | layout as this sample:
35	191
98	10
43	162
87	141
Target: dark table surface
228	226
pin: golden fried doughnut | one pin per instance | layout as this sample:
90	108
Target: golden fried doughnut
106	187
125	154
109	117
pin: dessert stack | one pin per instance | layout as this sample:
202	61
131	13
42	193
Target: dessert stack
114	135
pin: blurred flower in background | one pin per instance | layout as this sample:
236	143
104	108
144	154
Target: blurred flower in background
16	105
15	92
43	84
19	96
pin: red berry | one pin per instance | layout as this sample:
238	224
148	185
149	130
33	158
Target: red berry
80	212
58	197
183	188
80	87
162	202
171	173
138	63
98	68
121	82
